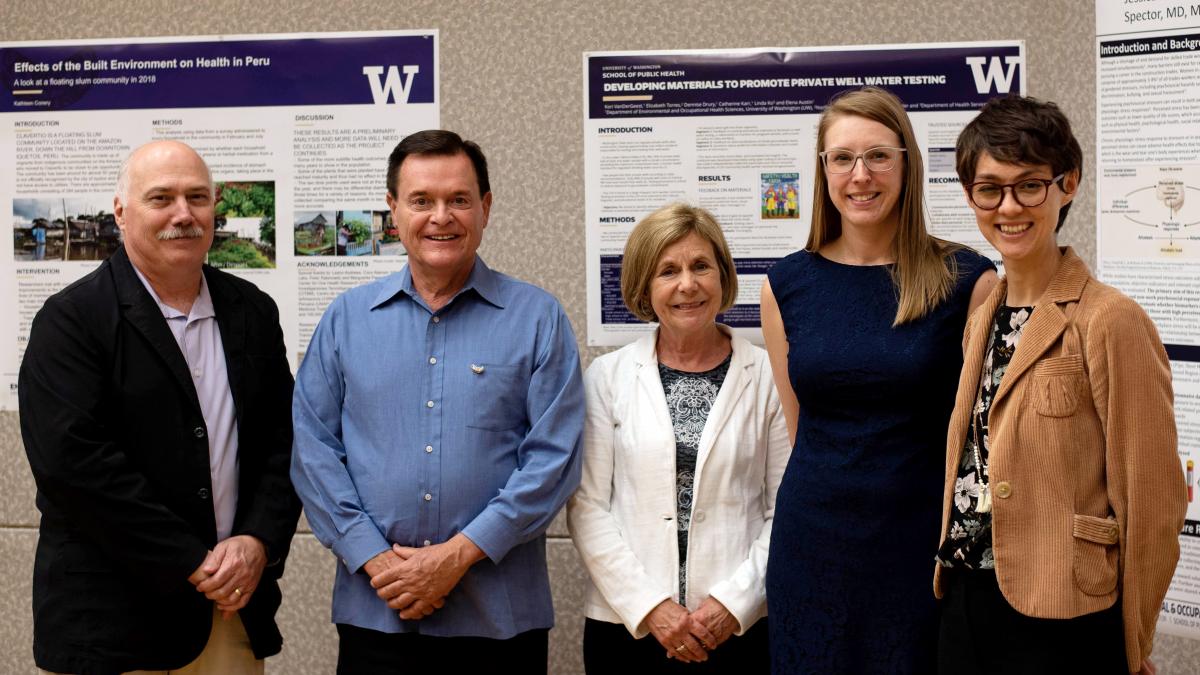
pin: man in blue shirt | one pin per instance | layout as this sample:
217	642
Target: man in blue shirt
438	415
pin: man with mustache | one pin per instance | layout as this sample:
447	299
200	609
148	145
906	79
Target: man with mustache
154	397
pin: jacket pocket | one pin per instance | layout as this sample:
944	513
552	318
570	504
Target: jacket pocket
1096	543
1058	384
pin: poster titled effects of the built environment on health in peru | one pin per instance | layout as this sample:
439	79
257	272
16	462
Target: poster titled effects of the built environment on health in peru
296	129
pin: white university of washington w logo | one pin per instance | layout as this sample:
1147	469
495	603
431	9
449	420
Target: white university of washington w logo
394	86
999	76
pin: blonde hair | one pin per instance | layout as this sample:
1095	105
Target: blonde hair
925	270
652	236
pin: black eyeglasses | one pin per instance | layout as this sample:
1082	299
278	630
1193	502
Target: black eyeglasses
1029	192
877	159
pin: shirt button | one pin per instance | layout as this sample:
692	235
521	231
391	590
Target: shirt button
197	372
437	319
698	517
428	404
202	493
1003	490
427	542
429	448
432	360
428	496
198	432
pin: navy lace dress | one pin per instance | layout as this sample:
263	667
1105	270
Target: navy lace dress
849	579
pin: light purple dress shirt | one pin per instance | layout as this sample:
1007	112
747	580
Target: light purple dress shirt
199	339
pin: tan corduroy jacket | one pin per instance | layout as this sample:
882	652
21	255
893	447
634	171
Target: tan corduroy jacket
1088	491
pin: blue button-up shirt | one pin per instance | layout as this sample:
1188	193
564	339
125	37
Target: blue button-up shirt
412	426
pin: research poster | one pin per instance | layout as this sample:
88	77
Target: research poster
735	133
296	129
1148	218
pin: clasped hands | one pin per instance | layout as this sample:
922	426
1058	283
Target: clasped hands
416	581
230	572
689	636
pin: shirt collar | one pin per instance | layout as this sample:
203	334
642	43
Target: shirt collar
202	308
483	280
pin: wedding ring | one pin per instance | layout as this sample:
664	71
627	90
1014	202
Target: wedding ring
681	648
237	591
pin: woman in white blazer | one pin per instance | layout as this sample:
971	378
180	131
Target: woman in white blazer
685	448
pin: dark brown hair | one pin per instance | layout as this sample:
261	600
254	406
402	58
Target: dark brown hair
1020	130
437	142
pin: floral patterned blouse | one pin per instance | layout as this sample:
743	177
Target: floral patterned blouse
969	538
690	398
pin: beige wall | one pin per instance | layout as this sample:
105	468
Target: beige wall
511	79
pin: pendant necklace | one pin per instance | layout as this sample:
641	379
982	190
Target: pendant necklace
984	502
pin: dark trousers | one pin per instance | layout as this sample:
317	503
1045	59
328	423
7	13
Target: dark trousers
981	634
367	652
609	649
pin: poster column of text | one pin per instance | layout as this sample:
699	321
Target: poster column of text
1148	218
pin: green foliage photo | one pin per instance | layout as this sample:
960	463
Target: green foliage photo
246	200
359	231
238	253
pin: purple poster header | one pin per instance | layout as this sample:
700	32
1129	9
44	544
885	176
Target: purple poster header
378	69
775	83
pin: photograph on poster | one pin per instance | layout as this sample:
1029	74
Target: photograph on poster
353	232
346	233
779	195
313	233
244	235
64	228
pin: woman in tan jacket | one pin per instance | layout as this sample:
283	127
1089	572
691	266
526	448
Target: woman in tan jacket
1064	494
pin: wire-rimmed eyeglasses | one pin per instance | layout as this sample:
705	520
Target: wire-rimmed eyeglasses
877	160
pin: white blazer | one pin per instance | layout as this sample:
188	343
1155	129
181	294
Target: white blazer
623	518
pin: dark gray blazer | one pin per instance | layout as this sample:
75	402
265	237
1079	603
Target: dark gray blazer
118	448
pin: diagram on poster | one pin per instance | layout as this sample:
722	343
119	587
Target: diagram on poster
1150	212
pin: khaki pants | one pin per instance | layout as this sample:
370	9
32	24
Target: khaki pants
227	653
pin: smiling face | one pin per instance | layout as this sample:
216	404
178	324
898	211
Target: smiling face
863	198
685	291
440	215
1024	235
165	211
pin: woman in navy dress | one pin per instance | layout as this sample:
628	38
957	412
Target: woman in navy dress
864	329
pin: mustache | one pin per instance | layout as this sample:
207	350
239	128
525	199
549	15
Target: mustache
189	232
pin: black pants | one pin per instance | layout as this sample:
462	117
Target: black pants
367	652
609	649
981	634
